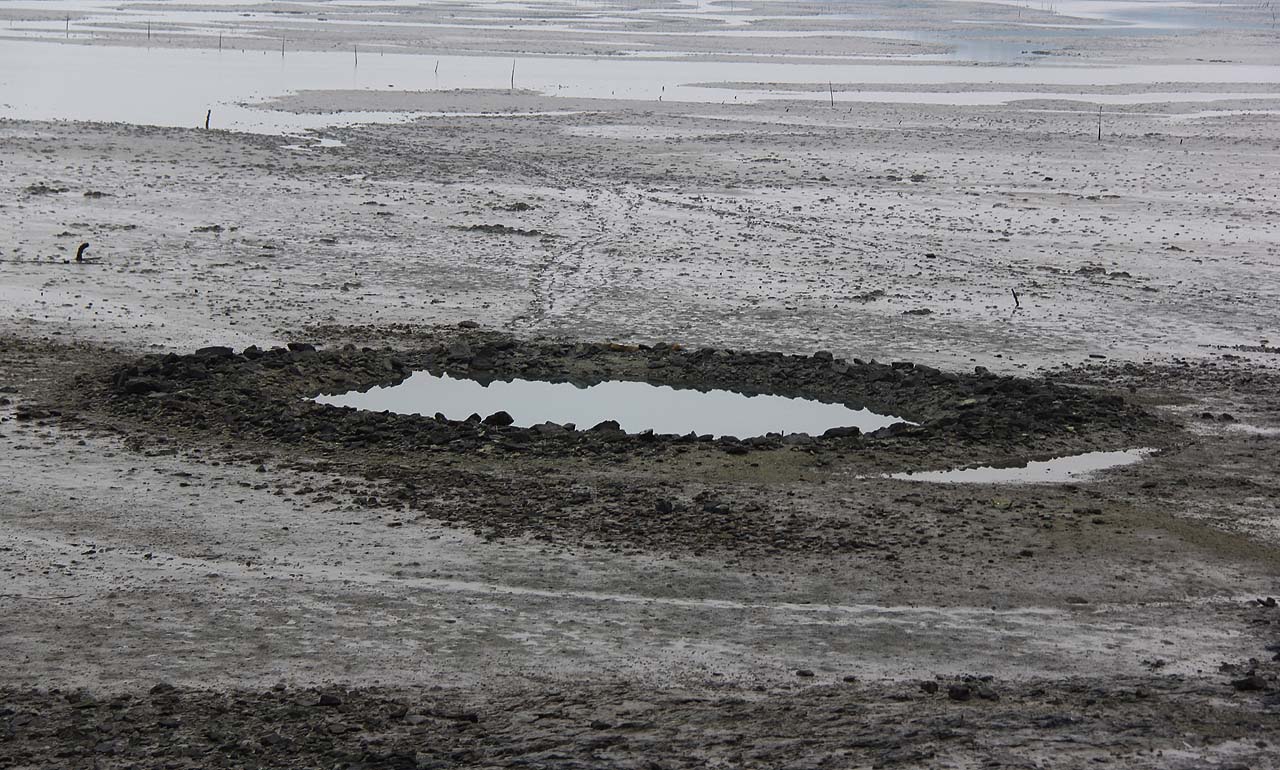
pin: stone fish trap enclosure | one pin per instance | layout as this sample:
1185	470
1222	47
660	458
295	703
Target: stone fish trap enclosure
267	395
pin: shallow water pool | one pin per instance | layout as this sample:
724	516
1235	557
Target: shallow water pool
636	406
1059	470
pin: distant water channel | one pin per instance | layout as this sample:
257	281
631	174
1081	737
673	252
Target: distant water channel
636	406
42	80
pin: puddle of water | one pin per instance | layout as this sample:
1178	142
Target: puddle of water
636	406
1209	114
318	143
1212	428
1144	15
1059	470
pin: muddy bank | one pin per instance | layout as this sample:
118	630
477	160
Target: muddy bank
975	720
257	404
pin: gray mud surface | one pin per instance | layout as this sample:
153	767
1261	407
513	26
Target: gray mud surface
200	567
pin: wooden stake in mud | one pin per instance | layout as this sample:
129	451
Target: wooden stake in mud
1016	303
513	74
208	114
281	48
148	30
1099	122
68	26
832	92
219	41
355	51
437	67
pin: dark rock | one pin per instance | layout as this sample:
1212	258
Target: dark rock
844	432
161	688
80	698
140	386
302	347
40	188
460	351
929	687
823	355
959	692
606	425
804	672
1250	683
600	724
499	418
329	699
468	325
215	352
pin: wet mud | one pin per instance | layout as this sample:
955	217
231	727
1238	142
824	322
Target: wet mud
201	567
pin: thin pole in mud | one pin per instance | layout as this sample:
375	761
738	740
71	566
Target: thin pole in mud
355	51
281	48
832	91
219	41
1099	122
1016	303
208	114
148	30
68	25
513	74
437	67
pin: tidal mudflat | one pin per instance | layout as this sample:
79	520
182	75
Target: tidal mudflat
1019	231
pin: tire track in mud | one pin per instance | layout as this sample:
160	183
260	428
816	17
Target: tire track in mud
549	277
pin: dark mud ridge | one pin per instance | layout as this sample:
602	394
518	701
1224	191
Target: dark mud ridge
973	721
265	394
